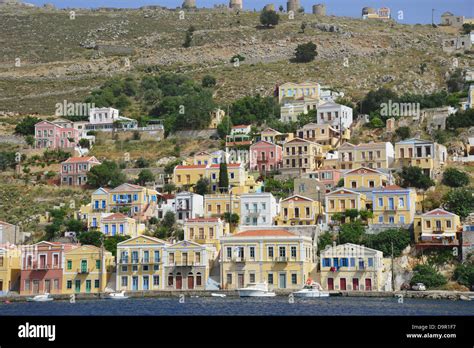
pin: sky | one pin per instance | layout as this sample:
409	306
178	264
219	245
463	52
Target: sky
414	11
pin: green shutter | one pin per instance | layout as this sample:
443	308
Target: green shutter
69	264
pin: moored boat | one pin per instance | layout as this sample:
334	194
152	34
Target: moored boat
256	290
213	294
40	298
118	296
311	289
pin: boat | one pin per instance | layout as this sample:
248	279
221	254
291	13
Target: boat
117	296
213	294
256	290
311	289
40	298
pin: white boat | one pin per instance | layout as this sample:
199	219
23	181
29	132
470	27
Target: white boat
256	290
40	298
311	289
213	294
118	296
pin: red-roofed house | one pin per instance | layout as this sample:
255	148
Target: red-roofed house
273	255
74	170
205	231
49	135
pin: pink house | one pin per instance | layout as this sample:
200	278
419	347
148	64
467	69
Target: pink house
265	157
327	176
74	170
49	135
42	266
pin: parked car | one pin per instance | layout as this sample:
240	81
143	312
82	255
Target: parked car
419	287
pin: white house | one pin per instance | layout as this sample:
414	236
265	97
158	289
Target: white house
335	114
289	112
188	205
104	119
257	209
240	129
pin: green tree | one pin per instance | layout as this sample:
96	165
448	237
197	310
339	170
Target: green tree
383	241
414	177
455	81
142	163
169	188
269	18
324	240
110	243
403	132
27	126
461	119
208	81
202	187
455	178
376	122
223	177
30	140
352	232
231	218
373	100
365	215
352	214
460	201
75	225
91	238
84	143
145	176
464	274
189	37
7	160
254	110
224	128
106	174
428	275
305	53
169	220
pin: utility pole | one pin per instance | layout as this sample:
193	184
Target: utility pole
393	274
432	17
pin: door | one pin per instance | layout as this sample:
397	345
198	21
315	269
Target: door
368	284
330	283
88	286
146	283
355	283
282	282
342	283
179	282
83	266
240	280
190	282
1	285
78	286
135	283
47	286
70	181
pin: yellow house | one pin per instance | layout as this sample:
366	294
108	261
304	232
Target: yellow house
235	171
140	264
437	227
394	206
188	175
87	270
365	178
294	91
217	204
338	201
216	118
118	224
275	256
323	134
301	156
426	154
298	210
187	266
206	231
250	186
9	268
351	267
371	155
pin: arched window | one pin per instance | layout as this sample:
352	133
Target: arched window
198	279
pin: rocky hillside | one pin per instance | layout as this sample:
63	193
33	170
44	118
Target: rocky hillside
63	57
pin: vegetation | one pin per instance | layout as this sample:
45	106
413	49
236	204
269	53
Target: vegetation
254	110
27	126
269	18
202	186
351	233
106	174
413	177
110	243
460	201
305	53
189	36
464	274
383	241
455	178
145	176
223	177
429	276
403	133
7	160
461	119
324	240
208	81
280	189
91	238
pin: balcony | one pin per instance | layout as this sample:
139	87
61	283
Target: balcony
41	267
83	270
254	212
238	259
184	264
280	259
391	208
262	160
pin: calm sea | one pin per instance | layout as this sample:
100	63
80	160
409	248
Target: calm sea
278	306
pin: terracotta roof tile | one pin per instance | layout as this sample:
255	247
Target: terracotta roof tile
265	233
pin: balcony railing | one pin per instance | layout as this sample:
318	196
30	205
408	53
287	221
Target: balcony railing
150	260
238	259
83	270
35	266
262	160
281	259
184	263
391	208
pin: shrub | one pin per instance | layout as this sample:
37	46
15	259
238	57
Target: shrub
455	178
428	275
305	53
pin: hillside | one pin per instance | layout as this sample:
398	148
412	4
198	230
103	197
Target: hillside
58	61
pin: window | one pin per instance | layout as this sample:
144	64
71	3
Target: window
294	278
156	280
229	252
270	252
124	268
282	251
252	253
380	202
145	267
326	262
97	264
69	264
448	223
344	262
229	278
96	283
69	284
124	281
371	261
293	251
252	277
428	224
270	278
401	202
381	219
352	262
